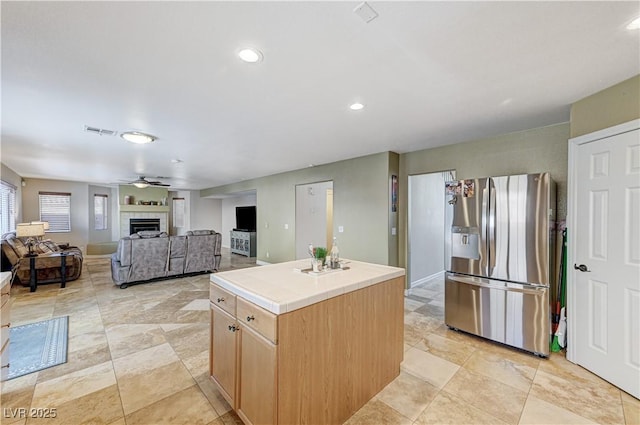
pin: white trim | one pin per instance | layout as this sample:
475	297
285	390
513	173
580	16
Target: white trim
262	263
572	187
440	274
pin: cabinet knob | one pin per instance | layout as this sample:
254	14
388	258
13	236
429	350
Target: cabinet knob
250	318
233	328
220	300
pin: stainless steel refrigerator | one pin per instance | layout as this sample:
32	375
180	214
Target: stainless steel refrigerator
499	256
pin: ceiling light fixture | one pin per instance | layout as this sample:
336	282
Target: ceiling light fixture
137	137
250	55
634	25
141	185
356	106
176	161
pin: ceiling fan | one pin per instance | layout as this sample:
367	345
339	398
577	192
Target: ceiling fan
142	182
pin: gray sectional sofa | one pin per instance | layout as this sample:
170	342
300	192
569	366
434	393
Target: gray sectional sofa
151	255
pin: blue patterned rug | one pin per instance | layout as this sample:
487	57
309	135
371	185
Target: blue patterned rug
37	346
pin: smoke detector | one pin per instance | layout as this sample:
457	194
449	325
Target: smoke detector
365	12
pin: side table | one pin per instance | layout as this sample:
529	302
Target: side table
33	281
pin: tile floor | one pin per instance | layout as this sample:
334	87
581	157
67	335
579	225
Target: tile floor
140	356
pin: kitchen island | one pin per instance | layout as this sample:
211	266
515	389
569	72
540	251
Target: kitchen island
289	347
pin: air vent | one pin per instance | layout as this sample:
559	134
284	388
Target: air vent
99	131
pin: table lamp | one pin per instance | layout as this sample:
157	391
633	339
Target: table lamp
45	223
31	232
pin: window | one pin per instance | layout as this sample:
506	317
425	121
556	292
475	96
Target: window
55	208
7	208
100	208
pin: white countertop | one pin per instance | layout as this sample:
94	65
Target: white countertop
279	288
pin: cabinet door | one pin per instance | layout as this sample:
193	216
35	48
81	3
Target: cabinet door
257	393
224	353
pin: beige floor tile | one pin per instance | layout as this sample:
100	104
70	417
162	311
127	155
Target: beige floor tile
593	400
377	412
212	394
15	397
145	360
198	364
631	409
417	327
538	412
190	340
432	369
188	407
411	305
57	391
145	387
495	398
447	409
501	369
96	408
80	358
408	395
448	349
126	339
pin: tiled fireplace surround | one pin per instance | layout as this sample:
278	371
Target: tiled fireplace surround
126	216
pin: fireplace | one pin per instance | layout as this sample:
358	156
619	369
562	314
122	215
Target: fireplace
139	224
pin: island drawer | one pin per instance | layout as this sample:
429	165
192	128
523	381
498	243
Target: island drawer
222	298
259	319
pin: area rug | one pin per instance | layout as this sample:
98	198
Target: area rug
38	346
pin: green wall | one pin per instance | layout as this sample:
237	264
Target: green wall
615	105
537	150
360	205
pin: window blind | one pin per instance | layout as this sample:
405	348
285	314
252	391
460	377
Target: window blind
7	207
55	207
100	208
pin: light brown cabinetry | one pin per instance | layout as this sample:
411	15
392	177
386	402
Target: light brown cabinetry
317	364
223	358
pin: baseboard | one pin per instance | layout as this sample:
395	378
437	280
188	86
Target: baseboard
262	263
426	279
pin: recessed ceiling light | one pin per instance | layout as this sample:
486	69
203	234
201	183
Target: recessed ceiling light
634	25
137	137
356	106
250	55
176	161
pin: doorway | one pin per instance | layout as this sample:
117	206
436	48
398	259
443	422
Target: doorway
426	226
314	216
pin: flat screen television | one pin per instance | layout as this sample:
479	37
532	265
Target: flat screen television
246	219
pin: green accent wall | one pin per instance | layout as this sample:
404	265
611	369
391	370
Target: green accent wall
151	193
538	150
615	105
360	205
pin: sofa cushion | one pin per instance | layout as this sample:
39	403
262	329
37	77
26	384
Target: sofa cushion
147	234
46	247
18	246
200	232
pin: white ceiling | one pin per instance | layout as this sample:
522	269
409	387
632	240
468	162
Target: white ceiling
429	74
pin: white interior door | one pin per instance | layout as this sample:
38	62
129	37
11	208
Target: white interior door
604	236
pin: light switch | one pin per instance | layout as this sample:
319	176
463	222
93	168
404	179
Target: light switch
286	227
393	231
340	229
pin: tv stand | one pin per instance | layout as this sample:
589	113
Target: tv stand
243	243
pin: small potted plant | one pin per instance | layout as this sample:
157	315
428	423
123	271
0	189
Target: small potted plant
318	257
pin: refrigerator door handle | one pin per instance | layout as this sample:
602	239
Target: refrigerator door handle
483	228
491	228
501	286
